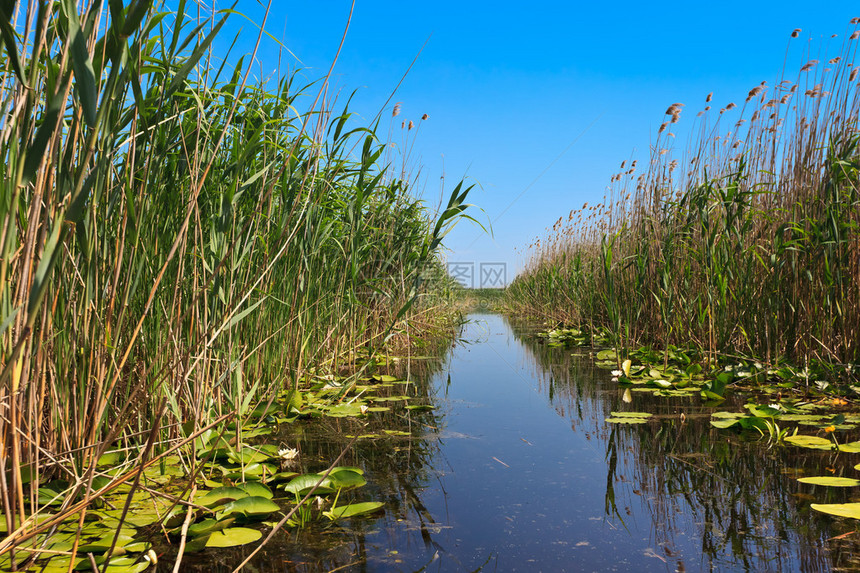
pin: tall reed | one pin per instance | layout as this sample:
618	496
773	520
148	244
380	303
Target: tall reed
178	241
746	243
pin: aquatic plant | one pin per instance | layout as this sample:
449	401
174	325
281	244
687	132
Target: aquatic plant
748	243
181	242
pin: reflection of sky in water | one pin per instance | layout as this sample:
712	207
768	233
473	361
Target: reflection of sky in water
526	461
522	488
516	470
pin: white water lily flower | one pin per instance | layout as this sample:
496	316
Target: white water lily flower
288	453
617	373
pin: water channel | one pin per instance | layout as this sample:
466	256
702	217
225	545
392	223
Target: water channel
516	469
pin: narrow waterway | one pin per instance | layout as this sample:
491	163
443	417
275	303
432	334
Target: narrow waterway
516	469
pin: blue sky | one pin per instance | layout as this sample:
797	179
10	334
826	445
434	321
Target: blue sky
538	103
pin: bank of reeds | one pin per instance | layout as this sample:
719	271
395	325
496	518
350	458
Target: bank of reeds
179	240
747	243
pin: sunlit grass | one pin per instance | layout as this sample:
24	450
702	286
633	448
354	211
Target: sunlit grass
179	242
746	243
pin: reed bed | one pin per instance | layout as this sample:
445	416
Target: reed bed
180	241
745	242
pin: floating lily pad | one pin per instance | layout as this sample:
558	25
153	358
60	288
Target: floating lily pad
116	565
344	411
850	510
233	536
812	442
346	478
303	483
831	481
253	488
353	509
252	470
221	495
850	447
628	417
208	526
248	456
250	507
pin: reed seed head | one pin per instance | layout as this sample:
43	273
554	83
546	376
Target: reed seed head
396	110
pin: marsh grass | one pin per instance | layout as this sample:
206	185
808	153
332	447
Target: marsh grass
746	243
179	242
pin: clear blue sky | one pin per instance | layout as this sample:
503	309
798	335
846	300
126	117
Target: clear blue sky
511	86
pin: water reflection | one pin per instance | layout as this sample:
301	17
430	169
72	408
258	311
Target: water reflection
517	470
736	498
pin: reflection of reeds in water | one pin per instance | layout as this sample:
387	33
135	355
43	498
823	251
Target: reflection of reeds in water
397	470
737	496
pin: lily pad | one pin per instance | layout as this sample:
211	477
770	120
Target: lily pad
630	414
208	526
254	488
221	495
346	479
303	483
353	509
250	507
233	536
812	442
831	481
850	510
628	417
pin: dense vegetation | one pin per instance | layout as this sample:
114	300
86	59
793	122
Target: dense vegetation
748	243
180	241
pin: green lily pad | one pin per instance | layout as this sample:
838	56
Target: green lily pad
233	536
250	507
344	410
812	442
116	565
630	414
850	510
724	423
346	479
353	509
248	456
208	526
831	481
255	488
303	483
628	417
850	447
252	470
221	495
103	544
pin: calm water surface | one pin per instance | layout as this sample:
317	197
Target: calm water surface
517	470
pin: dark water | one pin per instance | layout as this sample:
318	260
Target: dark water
517	470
